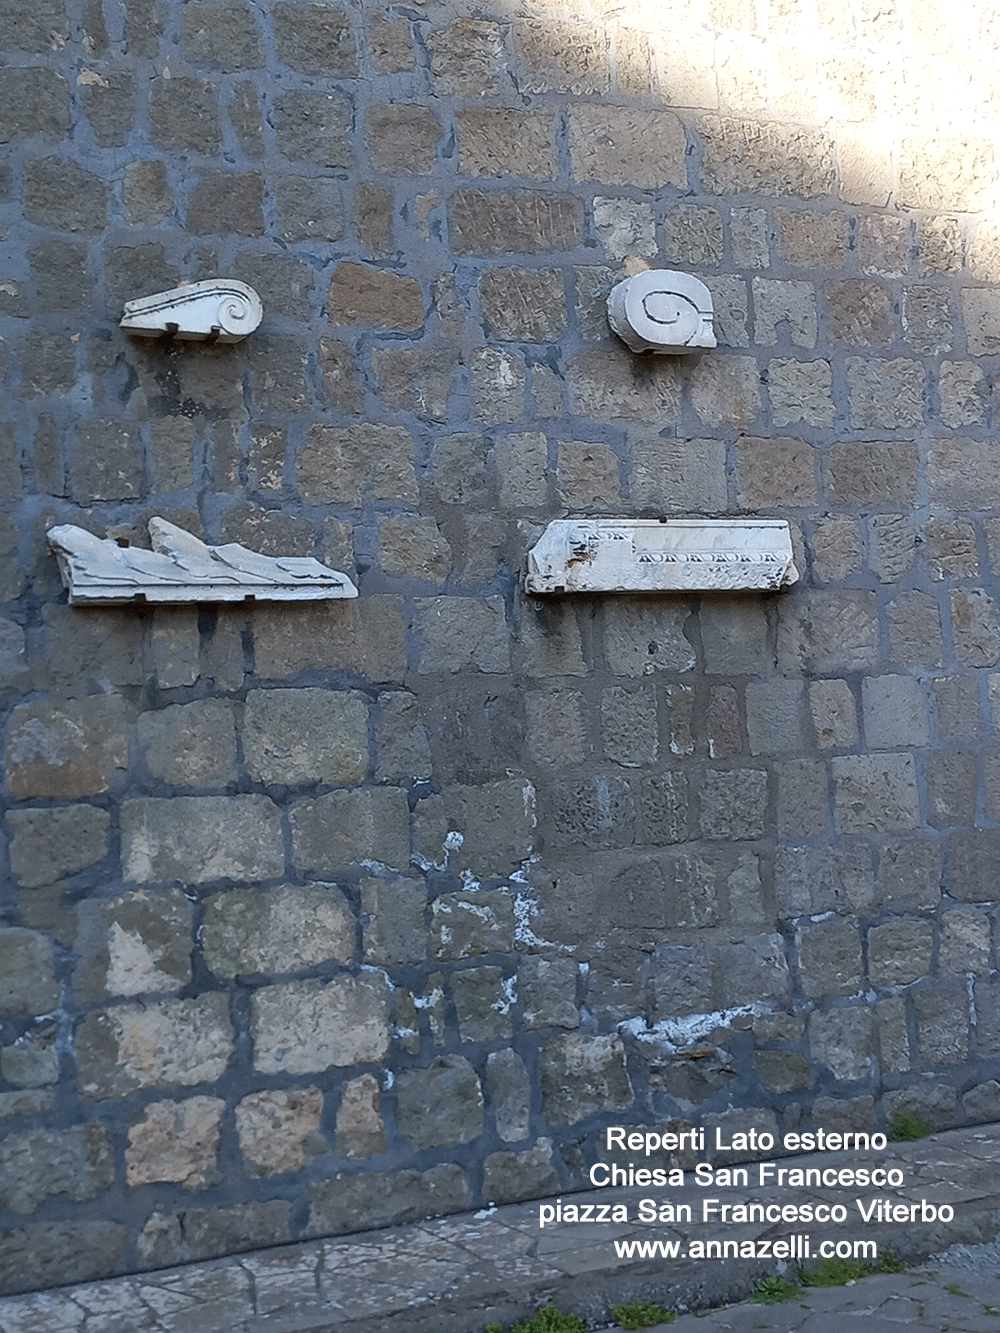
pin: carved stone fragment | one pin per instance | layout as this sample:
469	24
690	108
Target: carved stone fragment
661	555
180	568
661	310
219	310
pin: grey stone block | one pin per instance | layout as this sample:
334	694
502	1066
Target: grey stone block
895	712
440	1105
830	958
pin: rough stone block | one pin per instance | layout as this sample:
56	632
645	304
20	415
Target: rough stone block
346	828
588	475
184	116
520	222
581	1075
440	1105
891	546
511	1176
458	634
748	238
679	474
201	838
48	843
35	104
466	925
774	716
176	1141
499	381
385	1200
287	930
509	1093
402	138
830	958
859	312
316	40
497	141
744	156
834	714
137	944
778	302
841	1039
314	127
191	745
308	208
360	1130
895	712
528	305
950	549
546	989
394	931
346	465
965	943
629	726
942	172
724	731
593	812
609	384
40	1165
482	1004
775	473
958	472
832	878
280	1130
803	799
827	632
952	780
557	734
876	793
665	808
725	390
521	463
812	240
209	1233
927	320
27	978
873	473
885	395
559	56
942	1025
305	736
125	1048
640	639
800	392
66	750
417	380
915	636
733	803
223	204
982	1103
975	627
625	227
892	1037
899	952
302	1027
375	298
754	968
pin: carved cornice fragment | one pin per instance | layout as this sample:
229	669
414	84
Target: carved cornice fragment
180	568
219	310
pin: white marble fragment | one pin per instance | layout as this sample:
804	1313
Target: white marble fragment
180	568
661	310
661	555
219	310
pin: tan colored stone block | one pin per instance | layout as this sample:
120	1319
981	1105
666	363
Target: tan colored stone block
625	146
775	473
725	390
588	475
375	298
610	383
66	750
942	172
280	1130
744	156
176	1141
286	930
801	392
360	1131
498	141
303	1027
346	465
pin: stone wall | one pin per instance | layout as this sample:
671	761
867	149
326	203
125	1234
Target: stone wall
320	917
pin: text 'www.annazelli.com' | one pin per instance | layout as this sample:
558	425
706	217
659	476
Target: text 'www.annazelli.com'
795	1246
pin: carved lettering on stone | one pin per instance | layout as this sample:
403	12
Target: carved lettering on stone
180	568
661	555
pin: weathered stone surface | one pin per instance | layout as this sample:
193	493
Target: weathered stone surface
781	1071
899	952
302	1027
360	1131
176	1141
876	792
753	968
315	40
965	942
305	736
223	204
458	634
834	714
546	989
346	828
521	222
593	812
386	1200
209	1232
810	880
619	146
830	958
440	1105
942	1024
970	854
744	156
975	626
314	127
66	750
192	745
394	930
464	925
511	1176
287	930
733	803
201	838
581	1075
482	1004
279	1130
49	1253
134	945
375	299
308	208
27	977
129	1047
509	1092
505	142
982	1103
51	842
43	1164
801	392
345	465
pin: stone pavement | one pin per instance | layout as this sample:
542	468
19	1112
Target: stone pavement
455	1274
